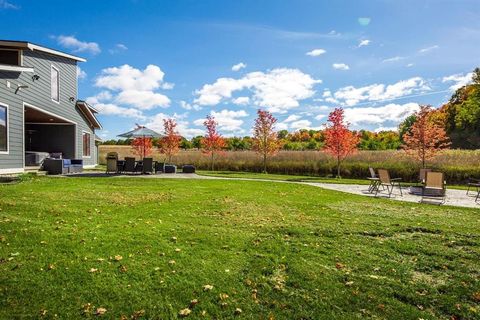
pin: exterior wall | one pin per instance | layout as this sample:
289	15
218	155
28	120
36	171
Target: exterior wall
38	95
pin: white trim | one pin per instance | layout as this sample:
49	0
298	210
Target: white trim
50	123
58	83
6	67
12	170
90	156
32	46
7	124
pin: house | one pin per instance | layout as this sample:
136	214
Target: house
40	113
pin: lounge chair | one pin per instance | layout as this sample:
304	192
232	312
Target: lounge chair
147	165
423	174
373	180
129	165
435	187
386	182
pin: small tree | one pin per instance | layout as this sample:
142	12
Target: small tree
170	142
142	146
265	139
213	142
340	142
426	137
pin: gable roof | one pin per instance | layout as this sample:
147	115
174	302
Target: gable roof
89	113
25	45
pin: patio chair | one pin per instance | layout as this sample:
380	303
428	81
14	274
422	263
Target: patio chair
435	187
373	180
129	165
386	182
147	165
473	183
422	175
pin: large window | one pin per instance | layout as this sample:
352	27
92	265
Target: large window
55	84
3	129
86	144
10	57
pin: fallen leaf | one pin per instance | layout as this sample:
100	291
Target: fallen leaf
339	265
122	269
238	311
100	311
207	287
171	262
178	250
118	258
193	303
223	296
92	270
184	312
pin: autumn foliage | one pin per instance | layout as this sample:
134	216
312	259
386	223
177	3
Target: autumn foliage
340	142
212	143
142	146
427	135
265	139
169	143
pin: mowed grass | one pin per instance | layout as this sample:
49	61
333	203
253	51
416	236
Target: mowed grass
272	250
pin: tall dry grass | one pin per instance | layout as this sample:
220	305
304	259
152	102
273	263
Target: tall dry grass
458	165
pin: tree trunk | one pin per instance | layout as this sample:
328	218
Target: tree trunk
264	163
338	167
212	160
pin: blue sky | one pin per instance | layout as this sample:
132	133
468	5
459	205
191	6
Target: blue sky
148	60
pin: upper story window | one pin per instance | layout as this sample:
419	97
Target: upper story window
55	84
10	57
3	129
86	144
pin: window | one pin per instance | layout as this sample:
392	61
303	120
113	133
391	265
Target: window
3	129
55	84
86	144
10	57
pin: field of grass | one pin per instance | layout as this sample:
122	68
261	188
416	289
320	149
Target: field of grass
458	165
73	248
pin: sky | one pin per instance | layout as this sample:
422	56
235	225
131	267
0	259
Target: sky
152	60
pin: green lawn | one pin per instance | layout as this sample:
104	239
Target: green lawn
147	247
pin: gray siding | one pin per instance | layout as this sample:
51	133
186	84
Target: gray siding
38	95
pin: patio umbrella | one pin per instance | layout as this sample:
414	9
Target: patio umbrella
141	132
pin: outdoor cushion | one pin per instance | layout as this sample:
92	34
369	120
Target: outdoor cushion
188	168
170	168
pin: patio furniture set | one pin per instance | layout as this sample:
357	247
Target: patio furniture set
145	166
431	185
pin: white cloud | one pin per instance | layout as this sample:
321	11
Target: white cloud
301	124
238	66
76	45
340	66
111	109
183	126
380	129
458	79
80	73
320	117
228	120
428	49
4	4
278	90
242	101
316	52
394	59
135	87
350	95
364	43
409	65
291	118
119	47
187	106
380	115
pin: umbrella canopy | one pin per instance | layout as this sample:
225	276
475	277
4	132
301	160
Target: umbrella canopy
140	132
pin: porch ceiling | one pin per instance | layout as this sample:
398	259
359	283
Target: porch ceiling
36	116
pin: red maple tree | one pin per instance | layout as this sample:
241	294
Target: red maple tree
265	139
212	143
340	142
170	142
426	136
142	146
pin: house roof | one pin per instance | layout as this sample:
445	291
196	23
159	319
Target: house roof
89	113
25	45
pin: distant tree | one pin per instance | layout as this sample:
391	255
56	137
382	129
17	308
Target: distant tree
142	146
340	142
476	76
426	137
265	141
213	142
186	144
282	134
406	125
170	142
197	142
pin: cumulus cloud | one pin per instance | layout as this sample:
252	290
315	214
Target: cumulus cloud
278	90
72	43
187	106
390	113
183	126
135	87
301	124
228	120
291	118
364	43
350	95
459	80
119	47
238	66
242	101
316	52
81	74
340	66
